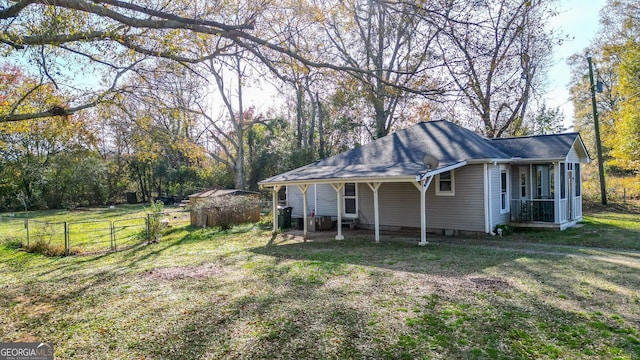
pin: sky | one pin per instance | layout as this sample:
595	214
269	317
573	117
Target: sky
579	19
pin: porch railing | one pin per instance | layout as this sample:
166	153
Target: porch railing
532	210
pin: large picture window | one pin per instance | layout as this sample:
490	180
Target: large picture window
445	184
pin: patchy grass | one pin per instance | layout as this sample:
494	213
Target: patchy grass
88	229
606	229
241	293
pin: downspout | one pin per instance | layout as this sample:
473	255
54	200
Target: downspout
315	199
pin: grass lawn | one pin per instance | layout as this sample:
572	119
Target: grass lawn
205	293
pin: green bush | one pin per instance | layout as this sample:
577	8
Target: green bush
156	226
506	229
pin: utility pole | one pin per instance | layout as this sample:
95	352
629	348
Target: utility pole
603	188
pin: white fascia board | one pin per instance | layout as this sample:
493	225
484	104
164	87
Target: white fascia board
584	148
386	179
489	161
425	175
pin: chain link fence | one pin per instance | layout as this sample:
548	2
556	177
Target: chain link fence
90	236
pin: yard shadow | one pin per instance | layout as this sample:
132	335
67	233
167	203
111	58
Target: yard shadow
446	257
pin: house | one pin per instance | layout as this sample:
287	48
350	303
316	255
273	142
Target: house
440	177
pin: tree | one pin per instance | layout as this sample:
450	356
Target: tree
392	42
151	133
623	18
614	51
36	158
117	35
547	121
495	52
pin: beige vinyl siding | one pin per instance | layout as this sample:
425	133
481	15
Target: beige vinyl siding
400	203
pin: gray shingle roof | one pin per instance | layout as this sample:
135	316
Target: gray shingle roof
537	147
400	154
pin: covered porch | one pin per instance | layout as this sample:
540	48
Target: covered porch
546	195
358	199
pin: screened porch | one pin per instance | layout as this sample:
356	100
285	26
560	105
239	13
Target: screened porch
546	193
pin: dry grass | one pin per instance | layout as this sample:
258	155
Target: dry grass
242	294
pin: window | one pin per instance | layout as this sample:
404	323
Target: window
504	185
523	185
445	184
350	199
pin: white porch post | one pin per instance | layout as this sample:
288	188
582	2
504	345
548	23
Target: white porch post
423	186
276	188
376	211
556	192
303	189
338	188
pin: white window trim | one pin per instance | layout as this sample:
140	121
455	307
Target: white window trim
344	205
506	209
453	185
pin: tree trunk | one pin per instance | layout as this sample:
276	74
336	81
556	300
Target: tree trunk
321	150
239	171
299	115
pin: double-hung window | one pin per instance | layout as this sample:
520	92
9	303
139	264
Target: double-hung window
350	200
445	184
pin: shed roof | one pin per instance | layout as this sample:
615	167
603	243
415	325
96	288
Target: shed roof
399	155
221	192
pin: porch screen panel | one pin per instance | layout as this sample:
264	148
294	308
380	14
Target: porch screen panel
578	180
545	182
563	184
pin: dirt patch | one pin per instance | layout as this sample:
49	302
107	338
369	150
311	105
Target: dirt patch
491	284
186	272
31	307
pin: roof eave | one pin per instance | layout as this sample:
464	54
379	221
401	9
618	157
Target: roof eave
386	179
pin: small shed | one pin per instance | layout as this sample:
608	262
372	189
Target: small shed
208	207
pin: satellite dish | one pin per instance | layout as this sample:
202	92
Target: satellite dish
430	161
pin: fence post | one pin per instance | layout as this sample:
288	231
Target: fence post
66	239
26	226
113	236
148	221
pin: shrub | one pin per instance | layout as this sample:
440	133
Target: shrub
506	229
43	247
227	211
156	226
